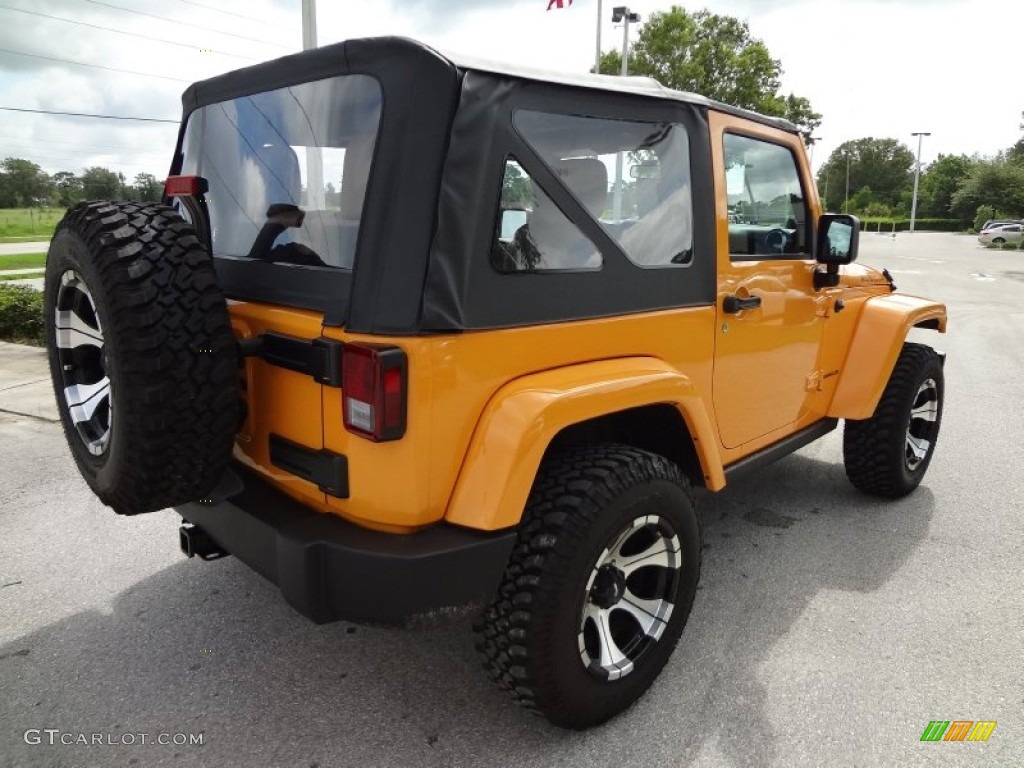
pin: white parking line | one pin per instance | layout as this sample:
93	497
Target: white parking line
982	277
914	258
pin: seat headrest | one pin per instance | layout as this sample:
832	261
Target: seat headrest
356	175
279	167
587	177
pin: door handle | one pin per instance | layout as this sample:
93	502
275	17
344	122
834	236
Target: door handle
734	304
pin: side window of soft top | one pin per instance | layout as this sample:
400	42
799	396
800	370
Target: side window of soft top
533	235
631	177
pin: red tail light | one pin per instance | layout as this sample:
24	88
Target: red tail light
185	186
373	381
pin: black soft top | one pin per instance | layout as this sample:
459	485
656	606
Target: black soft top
445	132
342	58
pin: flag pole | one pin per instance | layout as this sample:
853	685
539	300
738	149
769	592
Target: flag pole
597	58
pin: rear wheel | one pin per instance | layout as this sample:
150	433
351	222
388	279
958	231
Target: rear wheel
141	354
599	586
888	454
998	241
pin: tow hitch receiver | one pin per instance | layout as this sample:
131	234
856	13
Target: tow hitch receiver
195	542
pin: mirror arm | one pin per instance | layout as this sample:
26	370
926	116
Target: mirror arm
827	279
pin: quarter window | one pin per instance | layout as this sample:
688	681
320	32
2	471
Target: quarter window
632	177
533	235
767	209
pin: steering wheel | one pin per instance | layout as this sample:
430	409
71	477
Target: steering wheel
775	240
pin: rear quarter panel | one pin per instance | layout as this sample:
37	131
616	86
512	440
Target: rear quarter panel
408	483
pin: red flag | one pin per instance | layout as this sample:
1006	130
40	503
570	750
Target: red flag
557	4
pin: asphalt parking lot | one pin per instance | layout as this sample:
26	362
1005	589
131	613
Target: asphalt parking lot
829	628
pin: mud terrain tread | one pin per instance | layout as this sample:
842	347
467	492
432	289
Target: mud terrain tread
176	400
873	448
570	491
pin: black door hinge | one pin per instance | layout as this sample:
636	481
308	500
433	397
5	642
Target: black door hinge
319	358
325	469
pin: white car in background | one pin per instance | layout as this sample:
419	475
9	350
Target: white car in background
990	223
997	235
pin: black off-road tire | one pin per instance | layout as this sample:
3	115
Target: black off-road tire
135	276
529	637
876	450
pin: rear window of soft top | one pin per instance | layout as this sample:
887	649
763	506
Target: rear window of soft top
308	145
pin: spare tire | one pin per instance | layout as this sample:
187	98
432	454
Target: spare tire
141	354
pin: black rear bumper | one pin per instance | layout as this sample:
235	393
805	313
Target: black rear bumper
329	569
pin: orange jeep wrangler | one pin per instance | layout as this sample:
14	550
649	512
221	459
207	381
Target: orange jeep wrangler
414	334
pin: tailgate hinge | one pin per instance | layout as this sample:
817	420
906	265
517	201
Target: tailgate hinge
319	358
325	469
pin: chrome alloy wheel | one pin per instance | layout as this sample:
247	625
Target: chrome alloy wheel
83	361
921	430
629	597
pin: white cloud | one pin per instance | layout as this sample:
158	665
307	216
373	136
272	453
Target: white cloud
70	143
888	69
872	68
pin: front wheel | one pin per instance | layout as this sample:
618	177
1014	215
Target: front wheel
599	585
888	454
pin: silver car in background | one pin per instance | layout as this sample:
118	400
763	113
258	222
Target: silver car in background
1006	233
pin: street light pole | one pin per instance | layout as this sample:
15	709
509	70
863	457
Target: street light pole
811	140
308	24
917	177
625	46
622	13
846	202
597	55
315	198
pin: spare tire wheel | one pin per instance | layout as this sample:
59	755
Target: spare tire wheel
141	354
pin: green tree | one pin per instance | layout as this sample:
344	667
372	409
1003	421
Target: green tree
940	182
23	183
875	209
101	184
8	198
67	188
985	213
515	187
715	56
999	184
148	189
1015	154
862	200
884	164
797	109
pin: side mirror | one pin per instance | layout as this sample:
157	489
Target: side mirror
838	238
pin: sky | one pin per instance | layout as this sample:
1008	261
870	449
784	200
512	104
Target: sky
872	68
